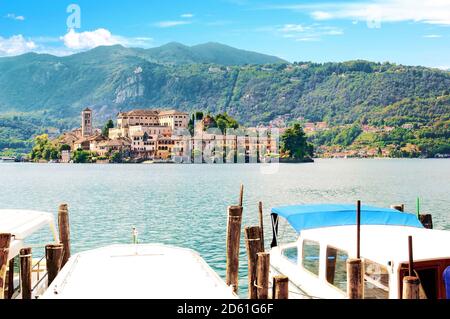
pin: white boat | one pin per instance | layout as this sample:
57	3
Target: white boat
138	271
326	237
7	159
147	271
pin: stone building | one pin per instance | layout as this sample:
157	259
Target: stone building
86	122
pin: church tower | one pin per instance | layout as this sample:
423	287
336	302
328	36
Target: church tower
86	122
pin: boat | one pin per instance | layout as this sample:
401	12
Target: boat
146	271
23	224
150	271
7	159
326	236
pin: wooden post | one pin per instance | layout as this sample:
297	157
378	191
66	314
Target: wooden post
64	232
262	275
355	271
426	220
233	244
11	278
261	222
355	281
253	244
399	207
25	272
241	195
5	240
53	256
411	286
280	287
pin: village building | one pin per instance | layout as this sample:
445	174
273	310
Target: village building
154	134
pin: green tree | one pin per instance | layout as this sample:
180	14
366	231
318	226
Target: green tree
224	121
80	156
116	157
44	149
108	125
293	141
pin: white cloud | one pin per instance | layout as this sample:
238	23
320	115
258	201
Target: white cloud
321	15
187	15
101	37
88	39
432	36
15	45
425	11
313	32
14	17
169	24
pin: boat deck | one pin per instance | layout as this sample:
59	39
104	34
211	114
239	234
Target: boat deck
150	271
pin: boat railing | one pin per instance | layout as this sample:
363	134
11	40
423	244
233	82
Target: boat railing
39	279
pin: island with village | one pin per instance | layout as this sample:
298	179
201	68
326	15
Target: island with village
169	136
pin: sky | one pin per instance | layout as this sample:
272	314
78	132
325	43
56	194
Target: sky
411	32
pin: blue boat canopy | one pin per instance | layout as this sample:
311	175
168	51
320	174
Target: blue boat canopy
303	217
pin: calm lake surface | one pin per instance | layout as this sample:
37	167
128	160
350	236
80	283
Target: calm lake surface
186	205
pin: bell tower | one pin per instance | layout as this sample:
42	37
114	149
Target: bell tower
86	122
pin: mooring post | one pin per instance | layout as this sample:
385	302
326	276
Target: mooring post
262	275
280	287
233	244
411	288
5	240
355	275
54	257
25	272
241	195
261	222
426	220
64	232
253	244
11	278
411	284
355	281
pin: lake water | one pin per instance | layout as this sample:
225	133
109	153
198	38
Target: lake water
186	205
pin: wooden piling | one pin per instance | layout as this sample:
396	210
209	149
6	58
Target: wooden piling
280	287
233	244
241	195
253	245
411	287
399	207
54	257
355	281
11	278
64	232
355	267
262	275
25	272
411	284
5	240
426	220
261	222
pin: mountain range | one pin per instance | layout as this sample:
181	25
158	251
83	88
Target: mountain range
48	92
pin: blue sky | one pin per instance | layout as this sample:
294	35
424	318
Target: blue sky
413	32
